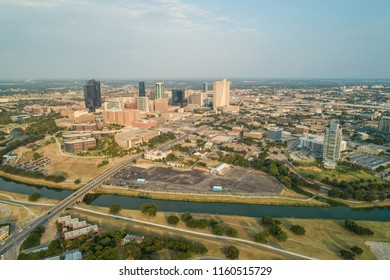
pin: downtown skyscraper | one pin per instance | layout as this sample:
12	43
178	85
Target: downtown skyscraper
141	89
332	143
159	90
221	94
92	95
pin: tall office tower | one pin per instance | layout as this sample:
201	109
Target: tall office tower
141	88
92	96
332	142
221	94
178	97
159	90
143	103
274	134
384	125
196	99
205	87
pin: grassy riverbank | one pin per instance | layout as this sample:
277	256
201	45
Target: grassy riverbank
323	238
284	200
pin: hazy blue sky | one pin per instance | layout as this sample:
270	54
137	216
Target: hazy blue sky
194	39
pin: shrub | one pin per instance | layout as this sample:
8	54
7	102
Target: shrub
173	220
298	229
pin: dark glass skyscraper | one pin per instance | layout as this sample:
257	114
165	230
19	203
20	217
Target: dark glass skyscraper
92	96
141	86
178	97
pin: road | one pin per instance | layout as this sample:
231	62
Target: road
14	241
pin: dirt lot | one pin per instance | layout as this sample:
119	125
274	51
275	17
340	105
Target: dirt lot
238	181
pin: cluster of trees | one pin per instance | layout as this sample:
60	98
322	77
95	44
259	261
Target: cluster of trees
215	226
354	227
274	229
34	238
55	247
180	249
149	209
34	197
36	175
108	147
36	131
161	139
363	190
350	254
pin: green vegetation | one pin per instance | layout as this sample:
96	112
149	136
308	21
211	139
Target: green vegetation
161	139
350	182
299	230
34	197
278	233
262	237
36	131
185	217
149	209
115	208
232	252
55	247
348	255
357	250
77	181
103	163
35	175
173	220
192	223
34	238
231	232
354	227
108	147
36	155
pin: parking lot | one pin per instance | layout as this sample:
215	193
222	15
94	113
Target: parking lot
238	181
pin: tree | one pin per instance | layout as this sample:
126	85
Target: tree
348	255
357	250
231	232
185	217
298	229
232	252
36	155
173	220
267	220
115	208
262	237
77	181
34	197
149	209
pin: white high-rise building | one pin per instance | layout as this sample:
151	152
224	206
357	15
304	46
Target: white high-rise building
159	90
332	142
221	94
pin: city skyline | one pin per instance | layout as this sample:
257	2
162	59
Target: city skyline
81	39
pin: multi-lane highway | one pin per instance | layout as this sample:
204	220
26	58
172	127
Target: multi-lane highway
13	242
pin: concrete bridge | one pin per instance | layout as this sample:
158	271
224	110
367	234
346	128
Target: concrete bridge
7	129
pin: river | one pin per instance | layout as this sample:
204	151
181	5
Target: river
105	200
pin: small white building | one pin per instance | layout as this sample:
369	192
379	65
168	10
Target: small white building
221	169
